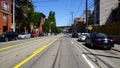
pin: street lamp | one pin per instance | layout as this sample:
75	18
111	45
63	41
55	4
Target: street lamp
13	25
50	27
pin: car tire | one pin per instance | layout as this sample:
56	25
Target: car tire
92	45
6	39
86	42
78	40
109	48
16	38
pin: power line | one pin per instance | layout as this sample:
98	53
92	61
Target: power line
43	1
92	5
79	7
90	2
89	5
71	5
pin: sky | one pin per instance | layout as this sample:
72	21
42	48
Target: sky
63	9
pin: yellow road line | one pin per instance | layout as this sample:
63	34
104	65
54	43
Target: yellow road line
11	46
35	53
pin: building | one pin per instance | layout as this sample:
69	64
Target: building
5	15
103	11
89	12
79	25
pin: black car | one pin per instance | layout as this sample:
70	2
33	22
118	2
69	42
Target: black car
75	35
100	39
9	36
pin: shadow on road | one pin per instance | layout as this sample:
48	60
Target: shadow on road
116	50
95	48
103	55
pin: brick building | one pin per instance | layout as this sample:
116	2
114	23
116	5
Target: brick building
5	15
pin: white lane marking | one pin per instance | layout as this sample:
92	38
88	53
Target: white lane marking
75	45
72	42
90	64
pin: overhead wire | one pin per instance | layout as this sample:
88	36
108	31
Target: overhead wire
90	4
69	9
43	1
79	7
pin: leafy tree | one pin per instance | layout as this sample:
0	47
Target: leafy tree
23	14
46	26
52	21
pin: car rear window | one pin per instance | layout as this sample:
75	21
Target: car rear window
101	35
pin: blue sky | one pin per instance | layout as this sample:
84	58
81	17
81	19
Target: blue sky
62	8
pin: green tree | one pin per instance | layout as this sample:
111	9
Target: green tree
52	21
24	14
46	26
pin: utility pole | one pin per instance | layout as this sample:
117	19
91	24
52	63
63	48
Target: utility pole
86	16
73	28
13	15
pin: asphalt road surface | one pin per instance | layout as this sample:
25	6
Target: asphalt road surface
55	52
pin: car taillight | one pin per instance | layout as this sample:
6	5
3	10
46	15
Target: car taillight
98	39
112	40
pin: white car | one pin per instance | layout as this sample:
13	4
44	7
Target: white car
24	35
82	36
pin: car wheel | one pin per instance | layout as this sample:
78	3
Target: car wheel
92	45
6	39
16	38
86	42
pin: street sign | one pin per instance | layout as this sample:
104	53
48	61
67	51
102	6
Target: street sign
90	27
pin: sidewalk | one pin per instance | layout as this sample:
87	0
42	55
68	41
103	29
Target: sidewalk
116	47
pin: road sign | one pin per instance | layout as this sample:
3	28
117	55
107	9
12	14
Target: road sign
90	27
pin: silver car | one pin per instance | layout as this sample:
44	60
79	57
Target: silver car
82	36
24	35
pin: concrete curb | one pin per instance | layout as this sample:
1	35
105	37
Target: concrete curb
116	47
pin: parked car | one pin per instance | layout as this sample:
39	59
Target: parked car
75	35
82	36
9	36
34	34
41	34
24	35
100	39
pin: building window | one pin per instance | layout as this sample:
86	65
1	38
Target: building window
5	17
5	6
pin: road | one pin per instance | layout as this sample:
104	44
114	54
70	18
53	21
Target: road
55	52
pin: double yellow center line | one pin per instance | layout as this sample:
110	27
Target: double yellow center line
35	53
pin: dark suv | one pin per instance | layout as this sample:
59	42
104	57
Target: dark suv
9	36
75	35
